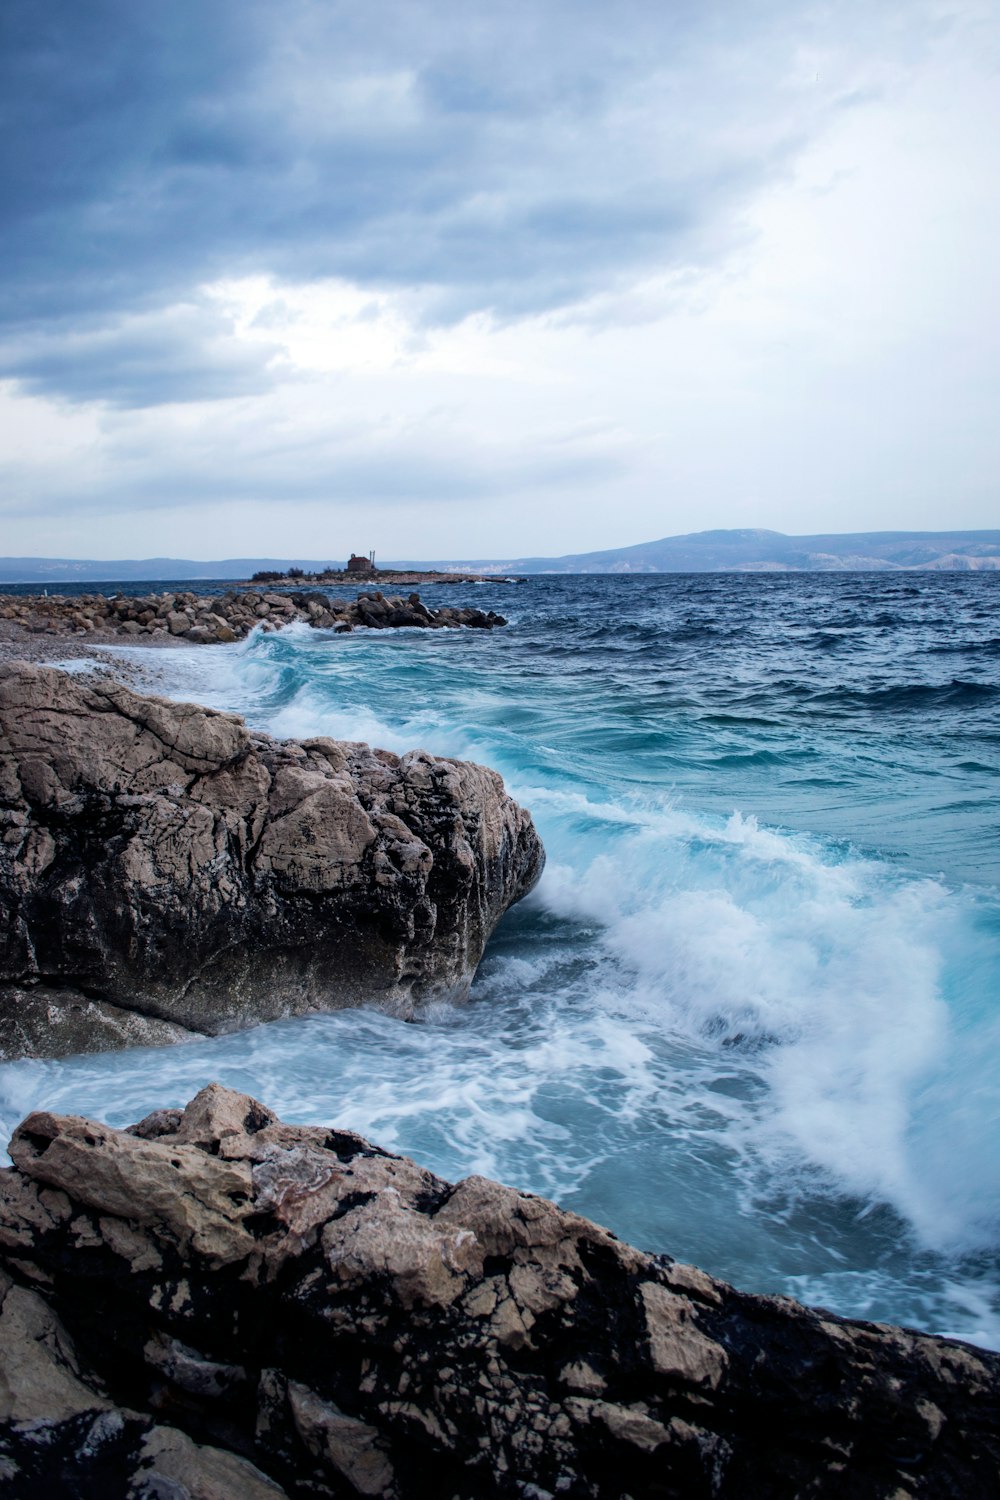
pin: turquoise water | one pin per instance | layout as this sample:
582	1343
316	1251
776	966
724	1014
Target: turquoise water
750	1015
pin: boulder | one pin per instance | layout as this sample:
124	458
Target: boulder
218	620
214	1284
160	862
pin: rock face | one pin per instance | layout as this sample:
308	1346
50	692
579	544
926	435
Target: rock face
212	620
214	1290
163	870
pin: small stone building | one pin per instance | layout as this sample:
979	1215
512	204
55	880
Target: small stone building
360	564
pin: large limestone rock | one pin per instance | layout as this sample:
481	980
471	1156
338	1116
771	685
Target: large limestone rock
164	871
216	1287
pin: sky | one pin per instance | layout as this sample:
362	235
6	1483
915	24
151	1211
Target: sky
456	280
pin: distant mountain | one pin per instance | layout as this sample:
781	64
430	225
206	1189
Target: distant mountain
52	571
740	551
756	551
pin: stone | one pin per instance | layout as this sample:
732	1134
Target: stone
164	872
39	1372
71	1022
223	619
60	1433
297	1312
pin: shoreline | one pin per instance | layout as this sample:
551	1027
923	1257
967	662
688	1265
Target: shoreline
46	648
172	668
99	653
39	627
409	577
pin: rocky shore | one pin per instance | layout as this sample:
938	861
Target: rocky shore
210	620
392	578
165	873
214	1305
217	1306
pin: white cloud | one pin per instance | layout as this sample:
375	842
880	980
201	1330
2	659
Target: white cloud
833	364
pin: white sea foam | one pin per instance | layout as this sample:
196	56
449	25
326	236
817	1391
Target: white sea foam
826	968
828	973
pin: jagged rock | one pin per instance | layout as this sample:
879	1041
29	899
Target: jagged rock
60	1435
159	861
352	1325
212	620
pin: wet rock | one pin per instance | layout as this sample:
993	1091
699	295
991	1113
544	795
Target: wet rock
161	867
208	621
35	1022
350	1325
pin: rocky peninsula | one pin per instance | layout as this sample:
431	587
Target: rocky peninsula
165	872
293	1312
41	620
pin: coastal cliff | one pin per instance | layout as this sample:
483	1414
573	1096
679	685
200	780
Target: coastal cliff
164	871
298	1313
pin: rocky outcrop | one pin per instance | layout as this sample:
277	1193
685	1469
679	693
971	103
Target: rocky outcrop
211	620
214	1288
163	870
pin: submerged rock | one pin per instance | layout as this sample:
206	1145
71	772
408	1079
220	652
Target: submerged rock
165	871
214	1288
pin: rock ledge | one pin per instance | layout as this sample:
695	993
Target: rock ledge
239	1308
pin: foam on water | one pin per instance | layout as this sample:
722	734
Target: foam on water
765	1049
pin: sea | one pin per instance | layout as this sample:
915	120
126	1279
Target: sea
750	1016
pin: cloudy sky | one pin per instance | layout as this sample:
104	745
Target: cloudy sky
455	279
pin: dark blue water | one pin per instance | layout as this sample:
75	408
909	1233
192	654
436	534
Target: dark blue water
133	588
751	1016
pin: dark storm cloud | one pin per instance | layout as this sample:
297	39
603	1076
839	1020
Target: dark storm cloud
184	353
510	158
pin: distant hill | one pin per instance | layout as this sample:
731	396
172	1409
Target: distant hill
52	571
739	551
745	551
